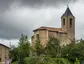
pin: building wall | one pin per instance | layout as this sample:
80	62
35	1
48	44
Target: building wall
0	52
64	27
62	37
43	36
4	53
64	40
34	39
52	34
69	30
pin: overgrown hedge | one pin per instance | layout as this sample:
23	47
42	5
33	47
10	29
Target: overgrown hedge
46	60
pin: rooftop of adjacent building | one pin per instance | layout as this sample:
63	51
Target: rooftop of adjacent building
4	45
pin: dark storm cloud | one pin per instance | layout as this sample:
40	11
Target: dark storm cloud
5	4
12	29
7	31
38	3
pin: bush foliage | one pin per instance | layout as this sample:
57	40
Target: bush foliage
52	53
46	60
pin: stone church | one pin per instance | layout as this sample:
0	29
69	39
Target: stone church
65	34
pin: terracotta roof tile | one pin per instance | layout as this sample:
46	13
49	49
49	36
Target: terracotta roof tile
50	29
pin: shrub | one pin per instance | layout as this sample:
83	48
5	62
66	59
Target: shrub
46	60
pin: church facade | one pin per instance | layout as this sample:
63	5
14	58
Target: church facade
65	34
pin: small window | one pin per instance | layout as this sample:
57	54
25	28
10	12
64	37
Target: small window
37	36
70	22
63	21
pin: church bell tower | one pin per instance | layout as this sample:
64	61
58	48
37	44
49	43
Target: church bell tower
68	24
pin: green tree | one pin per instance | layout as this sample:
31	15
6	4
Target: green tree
39	49
53	47
24	44
13	53
77	61
73	51
23	49
21	56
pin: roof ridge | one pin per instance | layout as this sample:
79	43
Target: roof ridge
4	45
47	27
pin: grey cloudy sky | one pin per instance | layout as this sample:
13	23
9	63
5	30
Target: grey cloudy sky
22	16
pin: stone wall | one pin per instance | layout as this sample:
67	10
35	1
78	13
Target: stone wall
4	53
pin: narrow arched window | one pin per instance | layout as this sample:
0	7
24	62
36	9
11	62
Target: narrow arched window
70	22
63	21
37	36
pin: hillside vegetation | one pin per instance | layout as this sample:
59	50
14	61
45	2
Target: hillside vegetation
53	53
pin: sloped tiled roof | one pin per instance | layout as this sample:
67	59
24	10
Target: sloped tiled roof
50	29
4	45
67	12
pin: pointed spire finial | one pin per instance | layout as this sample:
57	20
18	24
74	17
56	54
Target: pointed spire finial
67	5
67	12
